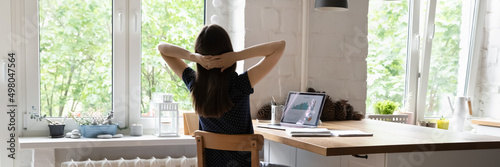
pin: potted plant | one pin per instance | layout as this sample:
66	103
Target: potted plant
91	127
385	107
56	128
384	111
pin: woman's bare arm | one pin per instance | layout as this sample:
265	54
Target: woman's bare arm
173	55
271	53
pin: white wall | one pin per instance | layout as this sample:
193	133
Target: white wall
487	92
336	55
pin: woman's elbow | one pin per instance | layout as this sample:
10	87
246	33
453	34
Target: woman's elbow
162	47
282	44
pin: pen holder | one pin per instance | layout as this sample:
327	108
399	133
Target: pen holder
276	113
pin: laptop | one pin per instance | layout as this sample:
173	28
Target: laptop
302	110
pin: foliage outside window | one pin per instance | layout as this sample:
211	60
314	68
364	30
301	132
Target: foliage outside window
387	40
443	72
388	36
75	56
76	53
175	22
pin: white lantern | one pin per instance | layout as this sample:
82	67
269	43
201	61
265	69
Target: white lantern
166	115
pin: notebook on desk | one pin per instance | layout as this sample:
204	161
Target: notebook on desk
302	110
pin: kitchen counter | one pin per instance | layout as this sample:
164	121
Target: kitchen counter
387	137
392	145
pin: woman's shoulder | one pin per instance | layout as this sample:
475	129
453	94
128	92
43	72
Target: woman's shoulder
241	83
188	76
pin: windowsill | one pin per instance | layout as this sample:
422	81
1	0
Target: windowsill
125	141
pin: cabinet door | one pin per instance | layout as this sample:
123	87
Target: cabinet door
365	160
281	154
310	159
294	157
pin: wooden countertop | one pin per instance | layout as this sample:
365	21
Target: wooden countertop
387	137
486	122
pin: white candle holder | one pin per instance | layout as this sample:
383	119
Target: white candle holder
166	117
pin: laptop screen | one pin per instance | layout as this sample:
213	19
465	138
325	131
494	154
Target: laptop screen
303	108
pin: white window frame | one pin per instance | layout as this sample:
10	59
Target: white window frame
126	67
418	61
468	67
31	20
135	55
413	52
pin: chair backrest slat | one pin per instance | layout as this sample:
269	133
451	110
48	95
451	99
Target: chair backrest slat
243	142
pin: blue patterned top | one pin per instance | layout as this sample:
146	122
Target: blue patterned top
235	121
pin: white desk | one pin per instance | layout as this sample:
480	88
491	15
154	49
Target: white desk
392	144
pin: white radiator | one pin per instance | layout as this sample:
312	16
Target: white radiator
137	162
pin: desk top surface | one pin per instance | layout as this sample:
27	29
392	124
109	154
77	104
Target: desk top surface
387	137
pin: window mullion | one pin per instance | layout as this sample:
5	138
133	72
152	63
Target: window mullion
120	93
412	63
428	35
475	50
135	53
32	63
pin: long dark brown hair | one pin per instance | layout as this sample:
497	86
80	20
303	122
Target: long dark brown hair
210	91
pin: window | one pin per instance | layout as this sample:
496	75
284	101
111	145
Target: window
170	22
75	58
152	22
387	34
94	56
444	57
422	43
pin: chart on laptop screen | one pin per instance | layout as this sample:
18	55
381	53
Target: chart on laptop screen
302	109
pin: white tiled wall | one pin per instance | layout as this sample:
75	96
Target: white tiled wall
487	93
337	49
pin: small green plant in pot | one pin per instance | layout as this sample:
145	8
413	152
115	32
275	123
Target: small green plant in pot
385	107
56	128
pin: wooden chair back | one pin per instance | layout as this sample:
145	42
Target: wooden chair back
244	142
191	123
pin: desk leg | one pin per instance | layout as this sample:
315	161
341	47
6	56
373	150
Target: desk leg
266	149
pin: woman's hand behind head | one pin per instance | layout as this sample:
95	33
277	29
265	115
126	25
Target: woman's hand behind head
208	61
226	60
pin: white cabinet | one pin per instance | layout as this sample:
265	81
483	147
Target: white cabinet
278	153
366	160
287	155
458	158
309	159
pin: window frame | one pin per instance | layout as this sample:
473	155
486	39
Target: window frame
134	66
126	91
467	73
418	57
119	70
